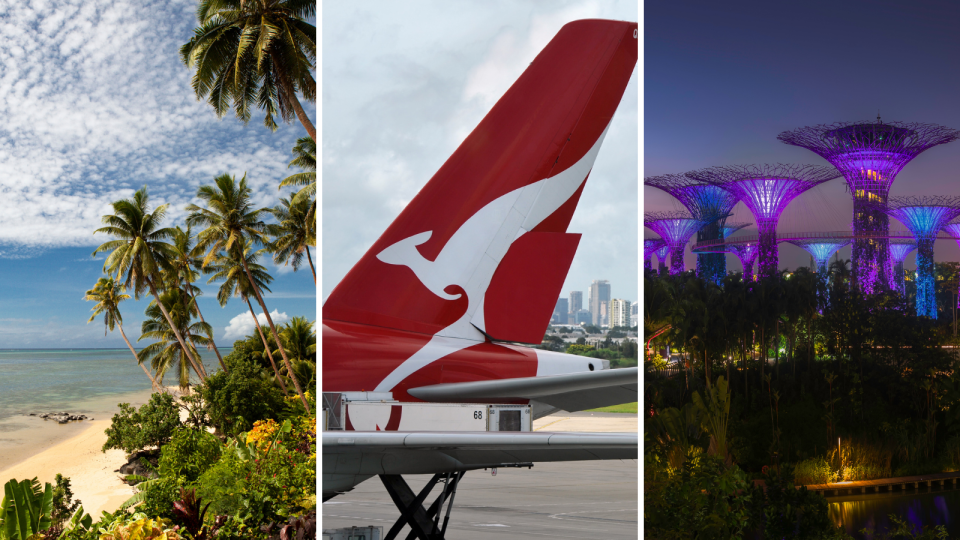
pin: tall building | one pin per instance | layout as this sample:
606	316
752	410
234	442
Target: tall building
619	312
576	301
561	312
582	317
599	292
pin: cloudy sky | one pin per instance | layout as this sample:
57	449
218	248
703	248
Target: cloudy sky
723	80
96	104
403	85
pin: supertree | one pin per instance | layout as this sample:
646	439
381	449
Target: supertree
869	155
703	201
730	228
925	217
747	253
899	249
650	246
675	228
953	229
766	190
662	259
821	249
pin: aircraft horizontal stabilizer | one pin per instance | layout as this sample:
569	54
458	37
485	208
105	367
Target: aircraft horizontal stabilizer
570	392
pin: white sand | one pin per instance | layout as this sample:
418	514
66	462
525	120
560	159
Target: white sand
75	452
93	479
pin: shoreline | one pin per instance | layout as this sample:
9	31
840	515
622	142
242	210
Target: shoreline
92	473
33	447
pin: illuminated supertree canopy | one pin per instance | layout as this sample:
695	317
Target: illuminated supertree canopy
675	228
650	246
925	217
766	190
899	249
821	250
953	229
747	253
869	155
703	201
662	259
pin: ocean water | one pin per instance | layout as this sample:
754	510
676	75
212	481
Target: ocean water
46	380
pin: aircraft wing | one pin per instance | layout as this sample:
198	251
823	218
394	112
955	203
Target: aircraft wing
569	392
352	457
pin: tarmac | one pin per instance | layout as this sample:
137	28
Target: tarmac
579	499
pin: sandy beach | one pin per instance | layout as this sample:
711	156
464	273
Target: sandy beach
92	473
32	447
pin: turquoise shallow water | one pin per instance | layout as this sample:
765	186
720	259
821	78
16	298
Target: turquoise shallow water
34	380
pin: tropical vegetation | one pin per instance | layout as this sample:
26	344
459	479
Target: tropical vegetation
793	380
232	454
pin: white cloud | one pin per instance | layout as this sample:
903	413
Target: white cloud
96	104
401	91
242	325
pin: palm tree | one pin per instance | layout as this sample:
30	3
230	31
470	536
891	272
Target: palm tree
256	54
305	157
167	352
107	294
183	266
230	221
300	343
229	269
294	234
299	339
138	255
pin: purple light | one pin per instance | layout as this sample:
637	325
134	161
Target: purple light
899	249
709	203
869	155
747	253
650	246
675	228
766	190
925	217
662	259
821	251
953	229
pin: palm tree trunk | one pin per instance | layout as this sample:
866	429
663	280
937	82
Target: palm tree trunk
276	337
186	351
196	307
291	95
266	346
156	385
312	271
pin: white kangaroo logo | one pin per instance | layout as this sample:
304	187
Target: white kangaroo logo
472	254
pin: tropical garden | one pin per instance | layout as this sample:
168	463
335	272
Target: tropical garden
753	388
224	450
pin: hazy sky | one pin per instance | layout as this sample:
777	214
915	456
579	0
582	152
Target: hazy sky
96	104
722	80
404	83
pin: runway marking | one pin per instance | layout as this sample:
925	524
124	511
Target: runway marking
550	424
576	516
489	525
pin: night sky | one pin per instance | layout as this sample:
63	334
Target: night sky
722	80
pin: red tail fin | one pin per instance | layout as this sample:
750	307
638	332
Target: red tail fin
521	170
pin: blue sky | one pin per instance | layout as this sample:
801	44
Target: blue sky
97	104
405	82
722	80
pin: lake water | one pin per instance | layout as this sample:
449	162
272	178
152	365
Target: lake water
921	508
36	380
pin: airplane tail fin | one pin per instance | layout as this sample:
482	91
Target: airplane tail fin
483	246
